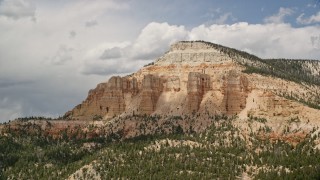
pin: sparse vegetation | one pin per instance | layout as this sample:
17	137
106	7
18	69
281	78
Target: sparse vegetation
258	119
220	152
149	64
97	117
301	71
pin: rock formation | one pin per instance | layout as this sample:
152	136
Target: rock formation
194	53
198	77
152	86
107	99
172	84
198	84
235	93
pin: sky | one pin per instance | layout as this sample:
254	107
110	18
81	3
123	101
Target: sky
53	52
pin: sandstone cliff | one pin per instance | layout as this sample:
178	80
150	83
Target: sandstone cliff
201	77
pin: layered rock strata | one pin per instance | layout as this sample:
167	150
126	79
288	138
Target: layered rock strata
106	100
196	78
152	87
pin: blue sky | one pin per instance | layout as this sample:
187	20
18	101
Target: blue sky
53	52
192	13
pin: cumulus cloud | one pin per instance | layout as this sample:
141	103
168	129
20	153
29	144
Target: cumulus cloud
17	9
105	59
155	38
264	40
63	65
309	20
152	42
50	54
279	17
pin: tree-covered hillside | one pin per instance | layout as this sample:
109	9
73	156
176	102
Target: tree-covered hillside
220	152
297	70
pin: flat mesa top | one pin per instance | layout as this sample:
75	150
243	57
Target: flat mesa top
191	45
189	52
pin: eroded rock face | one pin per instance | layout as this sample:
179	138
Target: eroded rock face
186	73
112	101
198	84
172	84
152	86
106	100
235	93
272	105
193	77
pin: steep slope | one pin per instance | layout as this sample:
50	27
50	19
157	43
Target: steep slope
205	78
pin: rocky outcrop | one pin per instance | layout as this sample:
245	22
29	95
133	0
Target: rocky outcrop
196	77
271	105
112	102
198	84
172	84
152	86
235	93
192	53
184	73
106	100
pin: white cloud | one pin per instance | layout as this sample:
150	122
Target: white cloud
44	70
155	39
17	9
279	17
62	55
264	40
50	55
315	41
105	59
309	20
125	57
